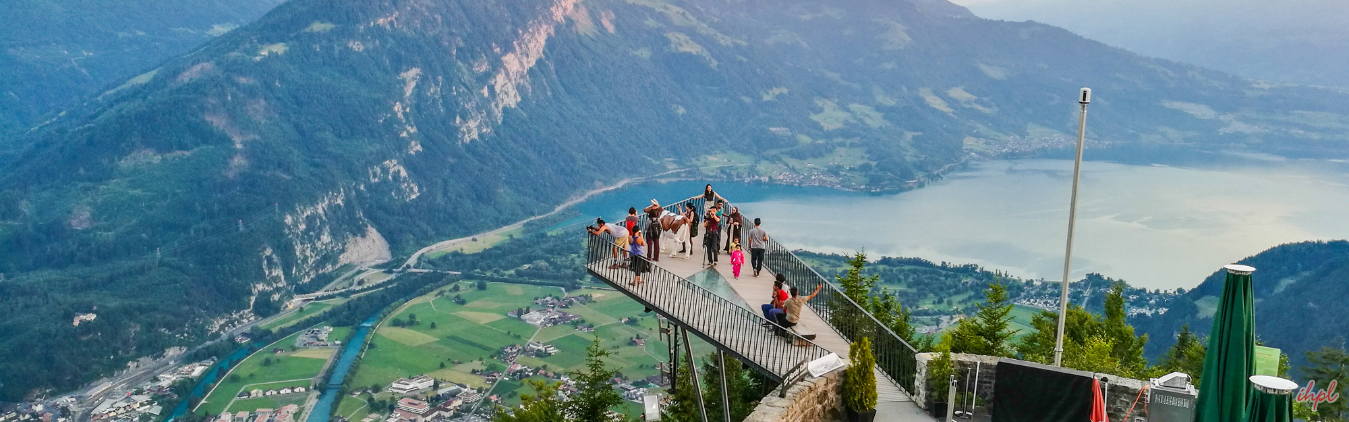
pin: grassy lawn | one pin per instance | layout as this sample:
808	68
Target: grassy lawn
1021	316
305	311
274	402
352	408
266	367
482	244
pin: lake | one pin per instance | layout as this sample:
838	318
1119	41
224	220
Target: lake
1156	226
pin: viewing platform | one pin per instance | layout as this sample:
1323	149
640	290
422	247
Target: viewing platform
712	304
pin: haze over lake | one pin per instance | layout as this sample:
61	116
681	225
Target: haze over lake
1155	226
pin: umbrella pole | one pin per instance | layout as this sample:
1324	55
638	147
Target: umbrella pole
1072	218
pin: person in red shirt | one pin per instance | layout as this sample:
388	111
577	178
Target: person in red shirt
632	218
770	310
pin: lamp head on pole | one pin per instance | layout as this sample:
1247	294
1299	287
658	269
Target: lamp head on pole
1085	98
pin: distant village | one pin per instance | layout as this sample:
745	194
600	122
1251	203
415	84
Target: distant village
426	399
139	403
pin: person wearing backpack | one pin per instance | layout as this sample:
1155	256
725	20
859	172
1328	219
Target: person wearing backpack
653	239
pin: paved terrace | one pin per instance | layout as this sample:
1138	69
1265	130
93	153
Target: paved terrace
687	304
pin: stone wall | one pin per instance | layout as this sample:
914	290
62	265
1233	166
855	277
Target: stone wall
966	366
811	400
1120	392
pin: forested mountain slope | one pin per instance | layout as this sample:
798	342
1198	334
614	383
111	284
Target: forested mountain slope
54	53
1300	291
336	131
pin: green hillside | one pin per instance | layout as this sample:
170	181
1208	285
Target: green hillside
331	132
57	53
1299	295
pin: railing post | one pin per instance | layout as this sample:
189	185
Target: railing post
693	374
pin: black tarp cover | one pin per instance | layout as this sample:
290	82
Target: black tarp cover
1031	392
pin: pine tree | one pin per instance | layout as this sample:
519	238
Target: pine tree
594	396
1326	365
738	388
1126	348
683	405
545	406
987	332
1186	356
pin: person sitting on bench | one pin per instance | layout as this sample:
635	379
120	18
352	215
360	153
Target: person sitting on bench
792	308
773	308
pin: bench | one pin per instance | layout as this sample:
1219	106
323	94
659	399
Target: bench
804	336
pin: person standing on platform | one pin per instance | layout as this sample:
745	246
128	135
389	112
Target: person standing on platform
653	232
758	240
711	235
638	263
631	221
710	197
733	225
737	260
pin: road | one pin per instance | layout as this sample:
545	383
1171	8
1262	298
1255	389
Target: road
447	244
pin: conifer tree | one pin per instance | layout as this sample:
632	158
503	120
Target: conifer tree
594	396
1186	356
545	406
683	405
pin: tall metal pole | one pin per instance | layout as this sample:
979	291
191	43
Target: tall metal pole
1083	99
693	376
725	395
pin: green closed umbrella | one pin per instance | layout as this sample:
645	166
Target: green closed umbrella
1231	352
1272	400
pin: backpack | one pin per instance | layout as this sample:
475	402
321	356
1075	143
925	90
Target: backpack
653	229
693	226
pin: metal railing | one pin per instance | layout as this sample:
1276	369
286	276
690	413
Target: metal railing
894	356
730	327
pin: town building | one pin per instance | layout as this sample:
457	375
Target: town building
407	386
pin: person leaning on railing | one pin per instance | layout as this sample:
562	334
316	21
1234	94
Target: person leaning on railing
619	233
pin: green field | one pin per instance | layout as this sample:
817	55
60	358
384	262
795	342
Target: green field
1021	316
471	334
292	367
274	402
305	311
479	245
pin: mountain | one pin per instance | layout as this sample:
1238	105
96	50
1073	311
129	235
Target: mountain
1299	292
335	132
1295	41
54	53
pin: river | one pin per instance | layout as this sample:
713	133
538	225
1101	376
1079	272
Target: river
323	409
1158	226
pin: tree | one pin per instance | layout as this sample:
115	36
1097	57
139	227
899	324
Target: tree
433	325
987	332
594	396
739	389
1126	347
1186	356
482	285
1326	365
683	405
1084	333
859	380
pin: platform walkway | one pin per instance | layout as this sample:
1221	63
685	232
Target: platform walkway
758	290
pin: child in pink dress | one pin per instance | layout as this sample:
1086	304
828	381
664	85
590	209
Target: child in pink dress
737	259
